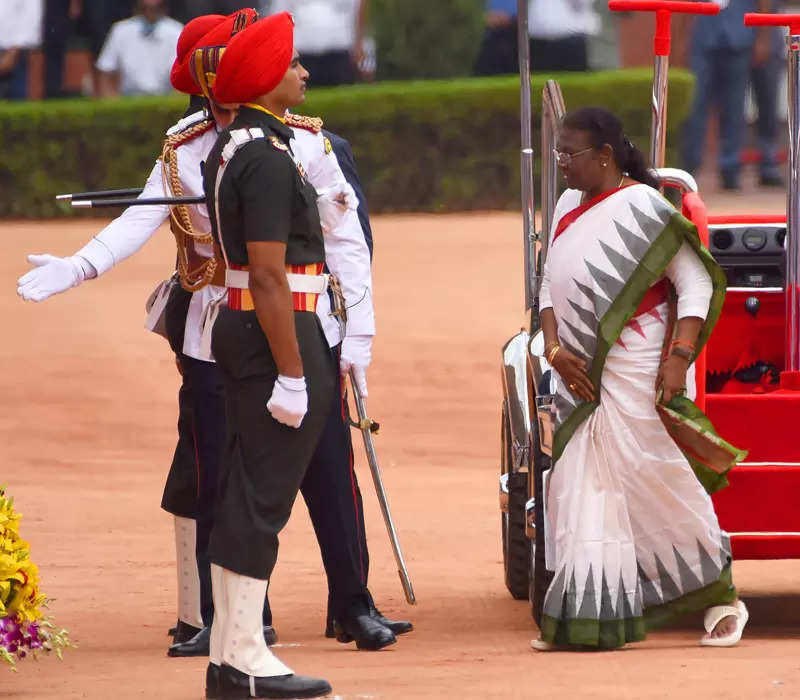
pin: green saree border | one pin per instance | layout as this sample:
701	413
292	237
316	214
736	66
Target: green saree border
612	634
720	592
677	230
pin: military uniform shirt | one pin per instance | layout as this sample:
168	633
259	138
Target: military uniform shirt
263	195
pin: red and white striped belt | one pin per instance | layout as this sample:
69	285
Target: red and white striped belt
305	281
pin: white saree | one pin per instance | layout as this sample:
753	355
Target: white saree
632	534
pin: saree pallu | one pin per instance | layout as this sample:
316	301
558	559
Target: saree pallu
632	536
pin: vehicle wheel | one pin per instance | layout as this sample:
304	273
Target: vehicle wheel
539	578
515	543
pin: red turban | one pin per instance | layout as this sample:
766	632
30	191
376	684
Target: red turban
203	31
256	60
192	33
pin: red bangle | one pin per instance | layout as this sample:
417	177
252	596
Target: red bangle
685	343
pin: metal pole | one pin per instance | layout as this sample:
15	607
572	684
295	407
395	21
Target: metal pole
793	212
658	131
553	110
526	154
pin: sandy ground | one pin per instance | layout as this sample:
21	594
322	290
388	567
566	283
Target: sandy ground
86	434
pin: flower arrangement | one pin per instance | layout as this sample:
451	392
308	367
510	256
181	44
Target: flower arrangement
24	629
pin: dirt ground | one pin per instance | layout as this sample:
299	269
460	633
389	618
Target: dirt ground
86	435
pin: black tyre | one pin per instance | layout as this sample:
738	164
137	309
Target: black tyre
515	543
539	577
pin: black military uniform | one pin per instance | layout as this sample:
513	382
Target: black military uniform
263	197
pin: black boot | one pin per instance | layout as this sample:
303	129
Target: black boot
235	684
196	646
367	633
270	635
184	632
397	626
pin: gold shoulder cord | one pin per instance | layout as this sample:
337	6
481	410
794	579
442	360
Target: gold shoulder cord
180	222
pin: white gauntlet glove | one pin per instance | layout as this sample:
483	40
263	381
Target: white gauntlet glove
52	275
289	401
333	203
356	354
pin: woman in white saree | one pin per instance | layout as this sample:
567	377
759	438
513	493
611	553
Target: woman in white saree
632	537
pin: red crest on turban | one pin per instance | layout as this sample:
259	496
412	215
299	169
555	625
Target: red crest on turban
256	60
195	30
215	33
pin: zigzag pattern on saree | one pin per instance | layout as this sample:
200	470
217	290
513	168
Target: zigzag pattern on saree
607	278
676	578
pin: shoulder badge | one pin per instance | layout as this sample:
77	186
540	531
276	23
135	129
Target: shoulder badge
278	144
328	146
187	122
301	121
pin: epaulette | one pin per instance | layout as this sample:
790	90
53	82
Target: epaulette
187	122
301	121
191	133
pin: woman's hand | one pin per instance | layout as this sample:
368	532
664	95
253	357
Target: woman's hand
672	376
573	371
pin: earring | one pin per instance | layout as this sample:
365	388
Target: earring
604	164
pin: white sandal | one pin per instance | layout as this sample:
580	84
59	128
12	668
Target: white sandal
542	645
719	612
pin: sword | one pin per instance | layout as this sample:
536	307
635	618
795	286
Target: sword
367	427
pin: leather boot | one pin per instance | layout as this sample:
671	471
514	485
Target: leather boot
185	632
196	646
235	684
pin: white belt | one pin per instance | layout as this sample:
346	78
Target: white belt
303	284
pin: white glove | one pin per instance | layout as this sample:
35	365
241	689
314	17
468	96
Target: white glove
333	204
356	354
289	401
52	275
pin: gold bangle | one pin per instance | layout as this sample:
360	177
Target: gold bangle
552	354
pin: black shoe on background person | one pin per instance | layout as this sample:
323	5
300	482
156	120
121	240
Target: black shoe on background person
199	644
367	633
184	632
235	684
270	635
396	626
196	646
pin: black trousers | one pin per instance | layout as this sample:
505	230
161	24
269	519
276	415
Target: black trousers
265	461
180	490
498	54
330	487
331	492
567	54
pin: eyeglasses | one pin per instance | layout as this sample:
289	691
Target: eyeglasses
563	158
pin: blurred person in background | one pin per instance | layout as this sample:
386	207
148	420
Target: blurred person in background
603	52
329	35
766	75
94	22
21	31
138	53
498	52
559	31
59	16
722	51
186	10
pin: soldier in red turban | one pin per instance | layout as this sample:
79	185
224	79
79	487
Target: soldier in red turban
277	368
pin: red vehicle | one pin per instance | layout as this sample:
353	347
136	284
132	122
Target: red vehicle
748	377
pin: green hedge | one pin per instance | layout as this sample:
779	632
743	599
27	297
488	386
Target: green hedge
440	41
420	146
